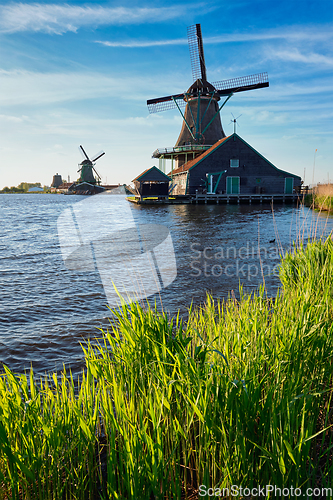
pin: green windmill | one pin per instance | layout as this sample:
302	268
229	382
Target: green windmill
87	166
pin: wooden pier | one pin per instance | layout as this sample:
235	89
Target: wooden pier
246	198
235	199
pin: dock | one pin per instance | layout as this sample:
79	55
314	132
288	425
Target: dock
234	199
246	198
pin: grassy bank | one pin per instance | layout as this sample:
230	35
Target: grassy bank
321	197
239	395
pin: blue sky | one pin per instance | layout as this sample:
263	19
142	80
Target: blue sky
81	73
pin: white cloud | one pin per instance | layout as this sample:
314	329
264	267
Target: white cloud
295	33
291	33
294	55
58	19
137	43
21	87
13	119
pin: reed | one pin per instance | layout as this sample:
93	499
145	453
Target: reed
240	394
321	197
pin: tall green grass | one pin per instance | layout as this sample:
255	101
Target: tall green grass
240	394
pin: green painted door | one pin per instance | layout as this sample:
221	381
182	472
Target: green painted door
232	185
288	185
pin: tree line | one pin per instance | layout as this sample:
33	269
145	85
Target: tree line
24	187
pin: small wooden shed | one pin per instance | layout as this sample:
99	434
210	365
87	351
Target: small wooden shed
152	183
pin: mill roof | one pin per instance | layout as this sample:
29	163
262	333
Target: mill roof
152	174
205	87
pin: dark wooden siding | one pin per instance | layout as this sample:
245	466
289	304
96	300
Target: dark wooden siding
256	174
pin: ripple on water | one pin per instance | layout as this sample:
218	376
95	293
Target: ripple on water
46	311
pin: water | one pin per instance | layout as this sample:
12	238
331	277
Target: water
46	310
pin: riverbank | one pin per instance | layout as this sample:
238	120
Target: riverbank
239	395
321	198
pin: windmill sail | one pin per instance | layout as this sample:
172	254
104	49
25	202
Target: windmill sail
197	57
84	153
164	103
98	175
224	88
97	155
242	84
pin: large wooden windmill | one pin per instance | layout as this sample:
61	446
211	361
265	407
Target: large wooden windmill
203	102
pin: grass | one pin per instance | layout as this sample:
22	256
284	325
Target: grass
321	197
239	395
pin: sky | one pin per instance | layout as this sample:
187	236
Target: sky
80	73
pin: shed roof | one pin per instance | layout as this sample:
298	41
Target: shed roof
152	174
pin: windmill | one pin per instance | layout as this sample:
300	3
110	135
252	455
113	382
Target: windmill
87	167
202	125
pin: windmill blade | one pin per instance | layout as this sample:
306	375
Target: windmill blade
99	176
85	154
164	103
241	84
98	155
197	57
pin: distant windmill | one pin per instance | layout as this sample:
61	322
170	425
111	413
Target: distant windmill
87	167
201	119
234	121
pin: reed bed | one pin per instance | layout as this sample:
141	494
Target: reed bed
321	197
239	395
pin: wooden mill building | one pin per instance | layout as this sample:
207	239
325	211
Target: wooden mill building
205	160
232	166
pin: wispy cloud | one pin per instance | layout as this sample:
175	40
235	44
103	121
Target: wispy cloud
137	43
294	55
290	33
295	33
58	19
29	88
35	88
13	119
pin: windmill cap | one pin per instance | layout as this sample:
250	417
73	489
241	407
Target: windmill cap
205	88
